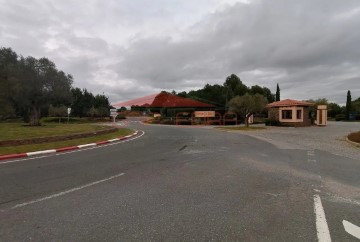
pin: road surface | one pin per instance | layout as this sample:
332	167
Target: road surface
181	184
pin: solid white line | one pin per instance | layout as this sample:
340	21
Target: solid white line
86	145
322	228
352	229
40	152
65	192
73	151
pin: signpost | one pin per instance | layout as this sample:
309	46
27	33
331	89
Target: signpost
68	112
113	113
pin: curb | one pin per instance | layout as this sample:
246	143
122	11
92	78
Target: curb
352	142
43	152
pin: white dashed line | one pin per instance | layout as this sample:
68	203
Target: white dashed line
322	228
65	192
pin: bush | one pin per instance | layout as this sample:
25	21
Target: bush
340	117
167	121
272	122
63	120
121	116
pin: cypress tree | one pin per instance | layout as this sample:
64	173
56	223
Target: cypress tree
277	92
348	105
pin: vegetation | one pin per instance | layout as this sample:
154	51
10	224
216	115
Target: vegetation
31	88
242	128
12	131
340	113
348	105
271	122
61	144
277	98
247	105
220	95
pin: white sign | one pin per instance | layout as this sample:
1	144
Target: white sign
157	115
204	114
113	112
69	110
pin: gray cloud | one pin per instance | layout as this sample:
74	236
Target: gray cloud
127	49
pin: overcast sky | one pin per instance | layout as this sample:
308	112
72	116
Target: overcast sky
132	48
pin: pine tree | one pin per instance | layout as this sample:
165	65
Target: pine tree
277	92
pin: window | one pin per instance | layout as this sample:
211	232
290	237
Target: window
298	114
286	114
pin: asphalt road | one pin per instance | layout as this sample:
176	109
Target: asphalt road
180	184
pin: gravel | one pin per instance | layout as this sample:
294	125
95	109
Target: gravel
331	138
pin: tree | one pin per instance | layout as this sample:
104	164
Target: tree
355	106
348	105
247	105
334	109
234	86
321	101
263	91
8	65
277	98
41	84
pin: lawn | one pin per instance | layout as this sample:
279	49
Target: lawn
12	131
242	128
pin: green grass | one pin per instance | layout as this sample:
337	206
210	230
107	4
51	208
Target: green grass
60	144
242	128
13	131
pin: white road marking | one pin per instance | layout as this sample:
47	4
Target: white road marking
43	152
87	145
113	140
322	228
73	151
352	229
65	192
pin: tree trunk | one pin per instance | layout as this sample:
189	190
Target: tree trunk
247	119
35	116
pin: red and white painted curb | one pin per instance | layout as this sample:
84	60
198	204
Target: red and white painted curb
43	152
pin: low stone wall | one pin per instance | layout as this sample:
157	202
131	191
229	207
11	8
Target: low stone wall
40	140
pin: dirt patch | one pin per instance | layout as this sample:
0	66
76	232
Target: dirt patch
354	137
40	140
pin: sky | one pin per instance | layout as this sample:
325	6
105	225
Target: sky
132	48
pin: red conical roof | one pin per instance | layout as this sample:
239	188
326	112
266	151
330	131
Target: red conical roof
164	99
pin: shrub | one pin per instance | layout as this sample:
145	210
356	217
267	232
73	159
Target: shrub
340	117
168	121
272	122
63	120
121	116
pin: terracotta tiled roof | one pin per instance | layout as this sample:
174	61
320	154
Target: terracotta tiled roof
137	102
163	99
168	100
289	102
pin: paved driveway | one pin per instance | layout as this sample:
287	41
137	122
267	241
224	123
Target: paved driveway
330	138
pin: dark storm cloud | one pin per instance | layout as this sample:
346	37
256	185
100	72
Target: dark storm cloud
313	42
129	49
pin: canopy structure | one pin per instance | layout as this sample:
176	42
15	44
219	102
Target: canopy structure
164	99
